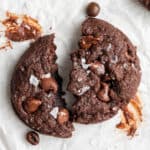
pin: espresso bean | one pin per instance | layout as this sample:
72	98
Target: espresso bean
33	138
93	9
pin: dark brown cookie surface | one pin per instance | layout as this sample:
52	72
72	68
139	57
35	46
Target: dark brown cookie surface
146	3
105	73
36	90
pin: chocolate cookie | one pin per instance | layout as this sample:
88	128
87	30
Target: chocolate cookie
105	73
146	3
36	90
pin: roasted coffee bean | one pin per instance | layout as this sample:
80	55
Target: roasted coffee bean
33	138
93	9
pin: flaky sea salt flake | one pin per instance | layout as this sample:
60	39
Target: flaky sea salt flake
54	112
84	65
34	80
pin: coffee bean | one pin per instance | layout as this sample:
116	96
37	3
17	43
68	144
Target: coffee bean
63	116
33	138
49	84
31	105
93	9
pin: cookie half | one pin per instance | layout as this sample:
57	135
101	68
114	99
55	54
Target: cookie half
105	72
36	90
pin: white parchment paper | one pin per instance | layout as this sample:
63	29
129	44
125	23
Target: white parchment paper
65	17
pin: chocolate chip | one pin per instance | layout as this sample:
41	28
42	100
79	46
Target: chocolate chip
97	68
31	105
103	93
63	116
33	138
93	9
49	84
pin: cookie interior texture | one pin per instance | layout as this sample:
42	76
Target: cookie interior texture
39	107
105	72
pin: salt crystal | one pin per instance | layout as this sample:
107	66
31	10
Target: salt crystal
84	65
34	80
54	112
83	90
